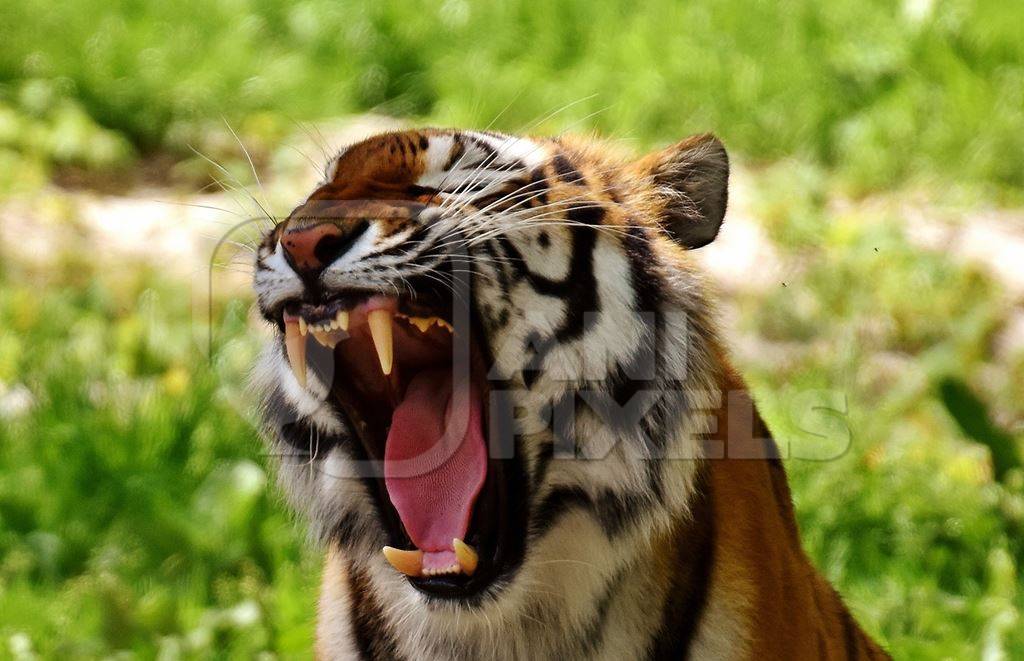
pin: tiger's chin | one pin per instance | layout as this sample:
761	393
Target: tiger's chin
409	374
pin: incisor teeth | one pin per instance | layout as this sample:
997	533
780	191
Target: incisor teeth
409	563
295	346
324	339
423	323
342	319
466	556
380	331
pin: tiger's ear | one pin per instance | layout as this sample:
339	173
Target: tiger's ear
693	177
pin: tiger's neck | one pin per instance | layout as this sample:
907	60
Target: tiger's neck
651	607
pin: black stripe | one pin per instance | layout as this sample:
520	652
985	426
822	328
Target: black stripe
493	250
490	153
415	190
580	284
458	149
589	639
346	528
689	586
510	195
283	421
646	279
639	370
614	512
528	192
584	305
566	171
492	156
407	247
656	481
558	502
373	638
578	289
563	427
776	473
539	347
461	189
622	417
539	184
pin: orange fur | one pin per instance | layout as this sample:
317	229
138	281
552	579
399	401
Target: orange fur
793	613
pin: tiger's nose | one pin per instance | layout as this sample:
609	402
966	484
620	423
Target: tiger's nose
311	249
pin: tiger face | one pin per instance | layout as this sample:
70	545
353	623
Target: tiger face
491	361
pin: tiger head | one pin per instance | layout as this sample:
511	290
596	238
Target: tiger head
491	358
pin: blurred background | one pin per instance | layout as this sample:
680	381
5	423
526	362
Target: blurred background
874	248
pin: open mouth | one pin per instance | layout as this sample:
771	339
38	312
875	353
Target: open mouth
412	383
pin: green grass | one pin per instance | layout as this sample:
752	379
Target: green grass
135	510
137	513
881	92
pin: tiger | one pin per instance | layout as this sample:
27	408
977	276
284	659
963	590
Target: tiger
498	393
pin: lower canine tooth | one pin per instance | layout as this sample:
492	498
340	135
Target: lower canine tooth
342	319
295	346
380	331
409	563
466	556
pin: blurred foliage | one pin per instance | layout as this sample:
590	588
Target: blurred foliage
40	127
133	514
883	92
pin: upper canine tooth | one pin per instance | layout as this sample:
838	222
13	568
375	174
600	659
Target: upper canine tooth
466	556
409	563
380	331
295	346
444	324
342	319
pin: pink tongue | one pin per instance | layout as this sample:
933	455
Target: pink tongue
435	461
